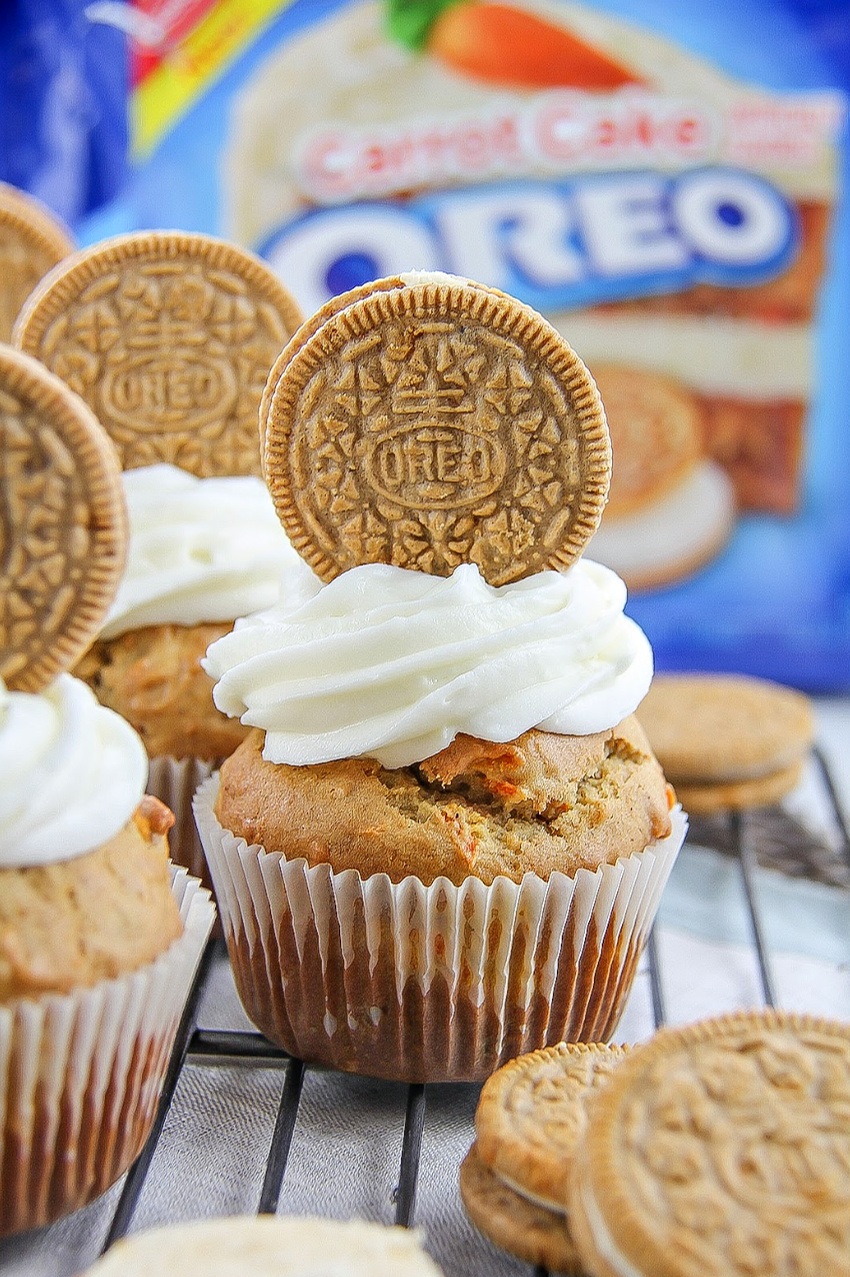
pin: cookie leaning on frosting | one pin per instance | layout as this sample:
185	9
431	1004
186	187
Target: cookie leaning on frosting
98	939
449	715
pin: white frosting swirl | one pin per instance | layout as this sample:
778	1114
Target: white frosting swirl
73	773
391	664
200	550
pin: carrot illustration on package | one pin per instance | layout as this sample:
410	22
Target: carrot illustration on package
502	44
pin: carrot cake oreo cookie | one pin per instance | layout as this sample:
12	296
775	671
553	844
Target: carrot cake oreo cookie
530	1232
460	453
531	1115
169	338
99	939
529	1120
728	742
720	1148
32	241
446	836
64	525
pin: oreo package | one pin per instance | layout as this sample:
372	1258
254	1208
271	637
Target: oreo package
667	184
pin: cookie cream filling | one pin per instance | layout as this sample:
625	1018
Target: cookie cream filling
602	1239
200	550
392	664
414	277
73	773
545	1203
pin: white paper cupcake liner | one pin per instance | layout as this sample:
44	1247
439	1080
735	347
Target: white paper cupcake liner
174	781
439	983
81	1074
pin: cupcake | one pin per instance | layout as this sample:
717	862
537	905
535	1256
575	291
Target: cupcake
445	839
99	936
169	337
202	551
99	942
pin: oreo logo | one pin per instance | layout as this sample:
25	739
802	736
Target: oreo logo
564	244
150	391
433	466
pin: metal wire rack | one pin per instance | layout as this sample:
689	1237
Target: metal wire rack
213	1047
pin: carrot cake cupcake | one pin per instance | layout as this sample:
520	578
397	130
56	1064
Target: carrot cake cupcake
445	838
99	936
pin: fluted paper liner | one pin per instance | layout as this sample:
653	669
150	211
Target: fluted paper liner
174	781
81	1075
439	983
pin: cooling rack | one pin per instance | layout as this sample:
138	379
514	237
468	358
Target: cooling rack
749	839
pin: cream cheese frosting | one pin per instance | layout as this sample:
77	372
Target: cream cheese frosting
392	664
201	550
73	773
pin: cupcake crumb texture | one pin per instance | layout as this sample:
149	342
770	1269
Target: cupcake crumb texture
539	804
153	678
68	925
